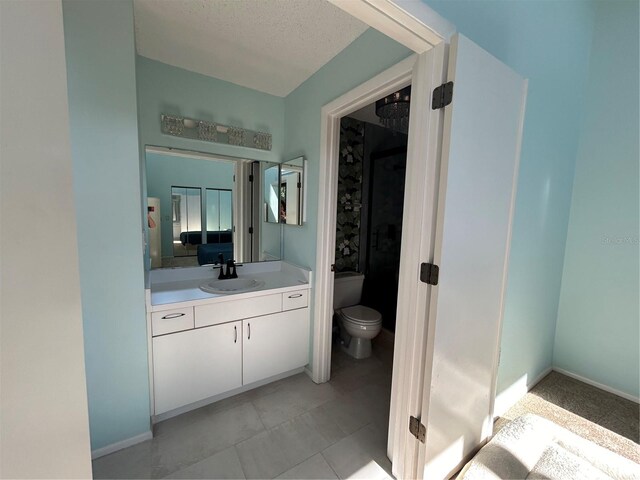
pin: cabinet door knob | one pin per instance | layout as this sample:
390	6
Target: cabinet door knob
249	334
235	333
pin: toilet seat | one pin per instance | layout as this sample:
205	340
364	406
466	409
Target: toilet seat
361	315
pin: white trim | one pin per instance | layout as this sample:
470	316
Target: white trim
387	82
413	330
593	383
420	12
394	21
505	271
177	152
512	395
114	447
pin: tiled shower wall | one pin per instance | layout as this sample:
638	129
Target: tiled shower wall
349	194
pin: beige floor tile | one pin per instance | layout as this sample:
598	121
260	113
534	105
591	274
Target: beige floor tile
314	468
261	457
132	462
292	400
199	440
361	455
300	438
221	465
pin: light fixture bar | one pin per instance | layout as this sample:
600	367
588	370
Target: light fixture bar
213	132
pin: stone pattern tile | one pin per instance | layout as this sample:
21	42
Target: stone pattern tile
602	417
291	428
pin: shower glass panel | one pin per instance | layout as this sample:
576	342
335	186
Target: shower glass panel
187	220
387	180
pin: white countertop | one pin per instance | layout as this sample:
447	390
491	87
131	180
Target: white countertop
180	287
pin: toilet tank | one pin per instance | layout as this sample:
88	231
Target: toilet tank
347	289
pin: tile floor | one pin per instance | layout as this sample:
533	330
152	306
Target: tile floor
292	429
296	429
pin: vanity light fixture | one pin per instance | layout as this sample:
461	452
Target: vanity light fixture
393	110
213	132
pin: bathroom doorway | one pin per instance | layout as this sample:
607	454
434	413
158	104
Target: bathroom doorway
368	231
371	179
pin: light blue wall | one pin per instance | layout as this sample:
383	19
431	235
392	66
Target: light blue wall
547	42
104	145
166	89
165	171
597	333
163	88
368	55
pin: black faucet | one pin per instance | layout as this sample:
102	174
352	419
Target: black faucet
222	276
231	264
231	268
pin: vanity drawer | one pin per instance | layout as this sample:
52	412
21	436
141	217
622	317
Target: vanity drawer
223	312
293	300
170	321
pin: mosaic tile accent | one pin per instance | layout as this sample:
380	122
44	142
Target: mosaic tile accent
349	194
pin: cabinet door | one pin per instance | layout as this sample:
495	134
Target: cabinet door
275	344
196	364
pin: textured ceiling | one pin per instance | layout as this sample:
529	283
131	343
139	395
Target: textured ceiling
268	45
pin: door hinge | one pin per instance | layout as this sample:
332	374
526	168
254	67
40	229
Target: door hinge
250	230
442	96
429	273
333	267
251	178
417	429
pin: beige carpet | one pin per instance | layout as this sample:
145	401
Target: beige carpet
606	419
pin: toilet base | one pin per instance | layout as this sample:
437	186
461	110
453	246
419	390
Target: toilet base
358	348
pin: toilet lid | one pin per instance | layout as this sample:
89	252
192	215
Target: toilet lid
361	314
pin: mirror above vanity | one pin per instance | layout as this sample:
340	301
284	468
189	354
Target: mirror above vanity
201	206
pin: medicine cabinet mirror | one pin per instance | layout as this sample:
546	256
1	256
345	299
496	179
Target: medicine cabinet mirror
283	191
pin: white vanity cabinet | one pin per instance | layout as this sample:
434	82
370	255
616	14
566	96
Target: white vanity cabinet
204	351
196	364
274	344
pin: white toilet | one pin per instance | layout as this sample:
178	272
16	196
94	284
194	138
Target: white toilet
358	324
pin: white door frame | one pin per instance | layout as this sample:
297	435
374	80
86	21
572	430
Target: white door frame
420	207
400	20
387	82
421	193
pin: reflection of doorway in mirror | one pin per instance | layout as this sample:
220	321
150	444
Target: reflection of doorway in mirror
154	221
290	198
187	220
283	202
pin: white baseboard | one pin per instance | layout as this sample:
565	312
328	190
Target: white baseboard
507	399
114	447
596	384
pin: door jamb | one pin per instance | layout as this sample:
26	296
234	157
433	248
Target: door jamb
389	81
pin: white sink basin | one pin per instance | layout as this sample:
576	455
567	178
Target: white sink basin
231	285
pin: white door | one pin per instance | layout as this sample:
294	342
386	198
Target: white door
196	364
480	156
275	344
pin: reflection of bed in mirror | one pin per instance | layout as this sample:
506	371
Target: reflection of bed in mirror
211	206
195	238
218	243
